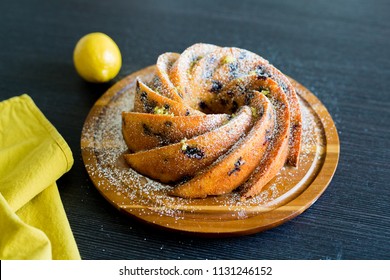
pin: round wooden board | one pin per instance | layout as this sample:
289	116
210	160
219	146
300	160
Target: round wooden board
291	192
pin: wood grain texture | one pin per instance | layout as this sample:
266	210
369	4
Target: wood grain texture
340	50
291	192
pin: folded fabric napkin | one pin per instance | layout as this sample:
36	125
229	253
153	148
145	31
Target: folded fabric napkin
33	155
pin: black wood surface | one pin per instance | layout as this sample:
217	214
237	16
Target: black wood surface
340	50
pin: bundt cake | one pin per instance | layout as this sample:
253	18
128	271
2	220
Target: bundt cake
212	120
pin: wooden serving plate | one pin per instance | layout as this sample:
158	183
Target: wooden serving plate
291	192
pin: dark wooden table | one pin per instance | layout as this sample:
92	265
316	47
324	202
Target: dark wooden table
340	50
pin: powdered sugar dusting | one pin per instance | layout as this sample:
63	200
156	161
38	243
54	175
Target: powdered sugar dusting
132	191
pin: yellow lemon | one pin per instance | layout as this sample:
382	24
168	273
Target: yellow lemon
97	58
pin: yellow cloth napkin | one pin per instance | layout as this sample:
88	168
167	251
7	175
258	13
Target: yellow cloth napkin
33	155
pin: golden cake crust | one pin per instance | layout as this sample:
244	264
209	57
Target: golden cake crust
212	120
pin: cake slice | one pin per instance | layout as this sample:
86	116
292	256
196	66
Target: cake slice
147	131
174	162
